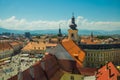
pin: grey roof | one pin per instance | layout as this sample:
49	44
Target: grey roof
61	53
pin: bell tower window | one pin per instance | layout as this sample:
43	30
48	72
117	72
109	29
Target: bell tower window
72	35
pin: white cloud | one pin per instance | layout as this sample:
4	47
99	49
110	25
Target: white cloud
97	25
82	23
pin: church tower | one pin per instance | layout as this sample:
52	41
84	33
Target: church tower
91	37
73	31
59	35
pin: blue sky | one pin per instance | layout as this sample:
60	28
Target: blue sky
57	10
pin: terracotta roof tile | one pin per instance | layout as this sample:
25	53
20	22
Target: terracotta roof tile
14	43
77	53
50	44
26	75
38	72
68	66
5	45
108	72
88	71
34	46
87	41
51	67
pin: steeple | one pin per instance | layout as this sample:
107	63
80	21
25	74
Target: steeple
59	33
92	34
73	25
91	37
73	18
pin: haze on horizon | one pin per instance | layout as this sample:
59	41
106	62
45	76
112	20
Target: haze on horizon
49	14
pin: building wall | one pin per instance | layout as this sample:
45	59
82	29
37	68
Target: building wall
74	33
6	53
97	58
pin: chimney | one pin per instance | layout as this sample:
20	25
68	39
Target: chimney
32	72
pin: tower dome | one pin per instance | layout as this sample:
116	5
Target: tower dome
72	24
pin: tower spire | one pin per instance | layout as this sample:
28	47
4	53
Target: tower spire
73	25
59	33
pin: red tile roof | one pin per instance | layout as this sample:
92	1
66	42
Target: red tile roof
51	67
38	72
26	75
88	71
108	72
68	65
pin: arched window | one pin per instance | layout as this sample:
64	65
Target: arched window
72	35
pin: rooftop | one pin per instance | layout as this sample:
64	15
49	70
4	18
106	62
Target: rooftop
34	46
76	52
5	46
108	72
38	46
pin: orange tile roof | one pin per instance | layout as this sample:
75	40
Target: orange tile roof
108	72
50	45
54	39
14	43
87	41
77	53
34	46
5	46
